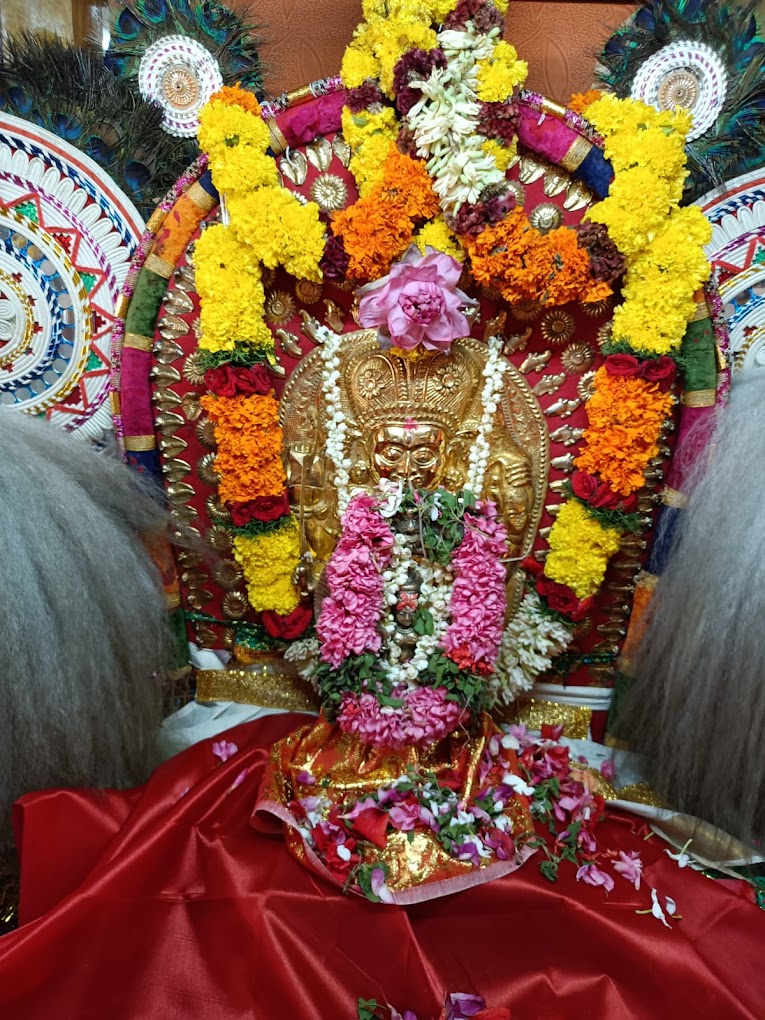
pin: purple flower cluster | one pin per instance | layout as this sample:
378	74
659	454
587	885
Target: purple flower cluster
363	96
606	261
499	120
416	65
472	219
484	16
334	261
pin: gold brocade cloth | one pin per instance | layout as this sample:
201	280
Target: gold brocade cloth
320	758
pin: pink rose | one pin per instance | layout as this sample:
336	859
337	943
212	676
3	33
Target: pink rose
418	302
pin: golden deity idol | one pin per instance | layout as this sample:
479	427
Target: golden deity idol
414	419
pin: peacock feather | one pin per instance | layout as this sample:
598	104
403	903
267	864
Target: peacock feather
67	90
735	143
232	42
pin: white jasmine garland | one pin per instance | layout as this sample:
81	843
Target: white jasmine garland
493	373
335	423
445	122
530	641
305	653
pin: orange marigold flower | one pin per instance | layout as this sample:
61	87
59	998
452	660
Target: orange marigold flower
249	440
625	415
375	231
408	180
235	95
581	100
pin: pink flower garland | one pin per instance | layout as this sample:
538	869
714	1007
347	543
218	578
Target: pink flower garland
478	600
425	717
350	614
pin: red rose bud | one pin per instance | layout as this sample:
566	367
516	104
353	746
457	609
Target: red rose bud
659	370
255	379
287	627
270	508
584	485
622	364
241	514
220	381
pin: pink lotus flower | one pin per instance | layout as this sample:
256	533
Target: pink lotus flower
592	875
418	302
629	866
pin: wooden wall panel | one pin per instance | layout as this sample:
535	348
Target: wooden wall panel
305	39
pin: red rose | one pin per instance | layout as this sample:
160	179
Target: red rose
255	379
287	627
372	824
269	508
559	596
583	485
659	370
241	514
220	381
622	364
630	503
604	497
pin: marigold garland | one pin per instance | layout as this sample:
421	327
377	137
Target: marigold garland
230	292
279	230
249	440
580	548
267	562
625	416
268	226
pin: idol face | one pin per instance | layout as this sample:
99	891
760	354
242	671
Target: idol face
413	454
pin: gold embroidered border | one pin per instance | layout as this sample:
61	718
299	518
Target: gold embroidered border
173	600
202	199
699	398
536	713
160	266
140	444
674	498
256	687
576	155
116	403
136	342
722	364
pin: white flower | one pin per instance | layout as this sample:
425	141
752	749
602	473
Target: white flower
517	784
657	911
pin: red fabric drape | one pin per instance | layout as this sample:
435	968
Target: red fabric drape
166	903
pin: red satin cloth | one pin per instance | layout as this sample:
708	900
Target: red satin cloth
165	903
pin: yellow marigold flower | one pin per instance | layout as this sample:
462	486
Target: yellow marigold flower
580	548
437	235
393	37
370	136
268	562
439	9
501	6
358	64
236	141
500	74
279	230
230	291
503	154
